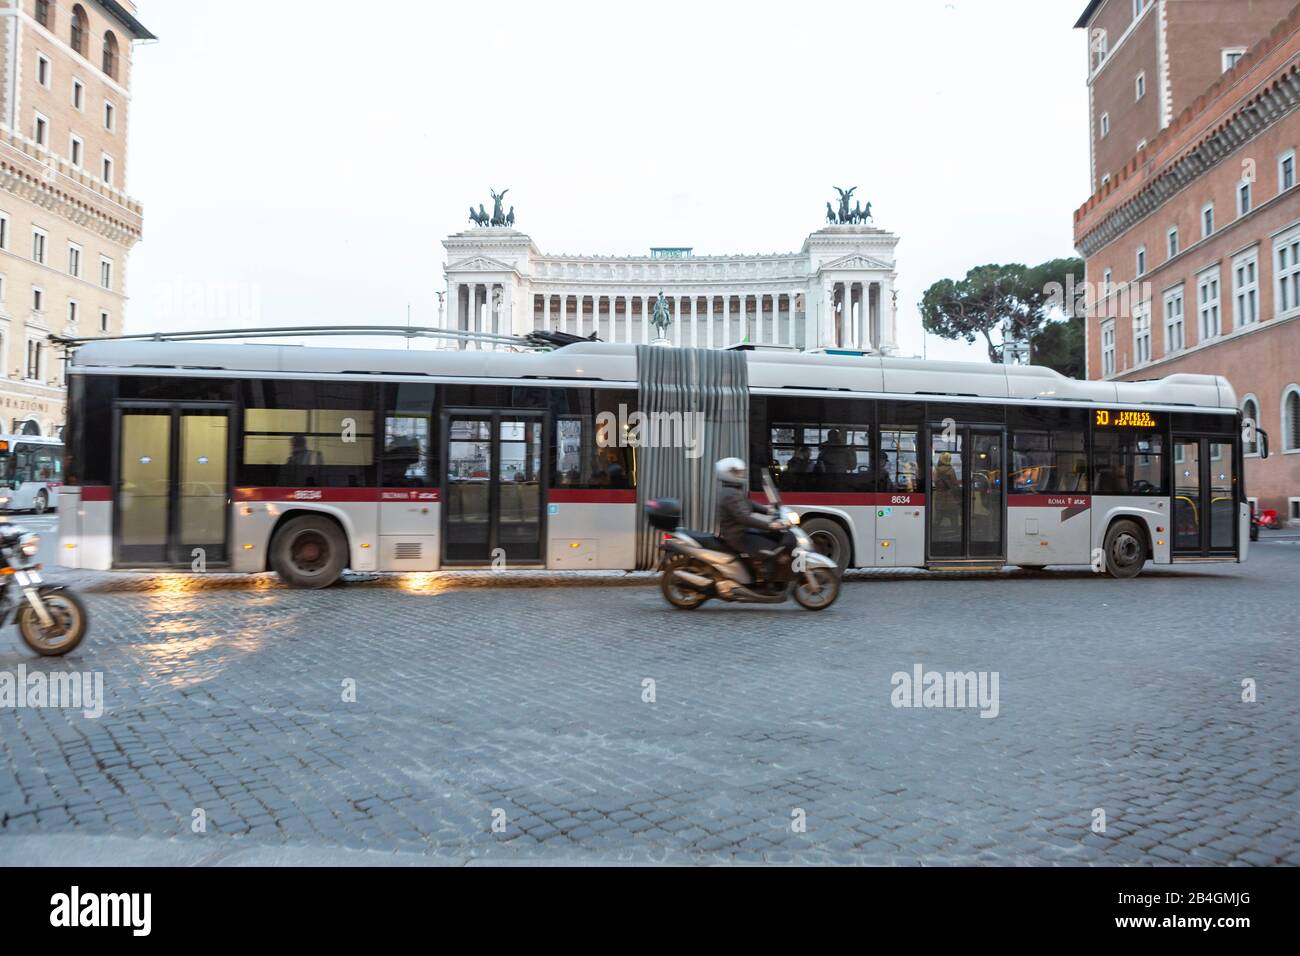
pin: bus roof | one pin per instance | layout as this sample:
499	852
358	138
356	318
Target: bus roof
615	363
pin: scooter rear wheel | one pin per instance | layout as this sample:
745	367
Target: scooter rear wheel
675	593
67	630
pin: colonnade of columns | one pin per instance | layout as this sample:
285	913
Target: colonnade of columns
700	321
857	313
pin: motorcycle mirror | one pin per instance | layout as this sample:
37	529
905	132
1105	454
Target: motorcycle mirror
1261	437
769	488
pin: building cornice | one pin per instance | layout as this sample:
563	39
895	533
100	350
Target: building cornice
1250	120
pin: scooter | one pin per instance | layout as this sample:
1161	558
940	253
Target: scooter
51	619
699	565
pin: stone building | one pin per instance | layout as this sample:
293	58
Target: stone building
1192	236
67	223
837	291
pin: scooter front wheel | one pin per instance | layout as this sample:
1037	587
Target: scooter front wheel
676	593
67	627
817	589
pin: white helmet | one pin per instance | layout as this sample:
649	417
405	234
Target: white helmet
731	470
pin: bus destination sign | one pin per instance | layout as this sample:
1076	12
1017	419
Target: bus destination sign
1105	418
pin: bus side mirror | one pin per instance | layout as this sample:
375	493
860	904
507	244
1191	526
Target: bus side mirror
1262	441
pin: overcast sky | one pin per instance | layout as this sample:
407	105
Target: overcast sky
300	162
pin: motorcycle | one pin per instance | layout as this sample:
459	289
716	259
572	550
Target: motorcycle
50	618
699	565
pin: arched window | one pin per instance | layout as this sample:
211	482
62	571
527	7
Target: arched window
77	35
44	15
31	427
1291	418
1250	409
110	54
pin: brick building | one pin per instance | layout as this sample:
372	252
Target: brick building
66	221
1192	235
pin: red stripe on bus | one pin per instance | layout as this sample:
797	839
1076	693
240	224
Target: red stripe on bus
847	498
592	496
1049	501
92	492
336	494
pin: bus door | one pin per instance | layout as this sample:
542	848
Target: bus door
171	492
494	507
1205	496
966	510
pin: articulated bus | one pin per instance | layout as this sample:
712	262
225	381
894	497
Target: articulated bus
310	460
31	473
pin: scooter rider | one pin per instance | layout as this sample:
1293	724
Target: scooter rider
745	527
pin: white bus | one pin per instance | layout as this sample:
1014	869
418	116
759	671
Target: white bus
308	460
31	473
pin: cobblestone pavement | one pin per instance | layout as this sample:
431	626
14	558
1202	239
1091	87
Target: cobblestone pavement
519	699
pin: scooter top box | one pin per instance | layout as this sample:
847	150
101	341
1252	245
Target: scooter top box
664	513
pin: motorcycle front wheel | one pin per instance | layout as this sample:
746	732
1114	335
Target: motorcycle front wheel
817	589
66	631
675	593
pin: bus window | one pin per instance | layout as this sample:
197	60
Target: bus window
1128	461
820	457
408	437
1048	462
591	449
897	464
300	434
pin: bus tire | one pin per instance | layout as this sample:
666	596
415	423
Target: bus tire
1126	549
309	551
42	502
830	539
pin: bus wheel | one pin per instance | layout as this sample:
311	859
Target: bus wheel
1126	549
829	539
309	552
42	502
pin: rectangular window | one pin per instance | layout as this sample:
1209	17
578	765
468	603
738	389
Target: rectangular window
34	357
1141	260
1140	86
1244	195
79	94
107	171
821	456
1047	462
1207	220
1108	347
103	321
1141	335
1232	56
1174	339
1139	7
105	272
38	245
409	454
75	149
108	115
1128	461
43	70
4	230
38	299
308	435
1245	289
1105	125
581	458
74	260
41	131
72	311
1286	253
1172	237
1209	324
1286	171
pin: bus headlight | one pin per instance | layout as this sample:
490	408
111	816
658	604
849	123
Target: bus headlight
29	544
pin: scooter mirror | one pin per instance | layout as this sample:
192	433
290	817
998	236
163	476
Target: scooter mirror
1261	439
769	488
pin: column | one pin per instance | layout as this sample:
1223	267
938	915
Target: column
546	312
508	309
850	317
645	320
695	341
726	319
708	320
888	341
826	318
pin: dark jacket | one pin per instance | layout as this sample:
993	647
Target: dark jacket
737	514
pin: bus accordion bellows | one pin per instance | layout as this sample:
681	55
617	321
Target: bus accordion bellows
308	460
